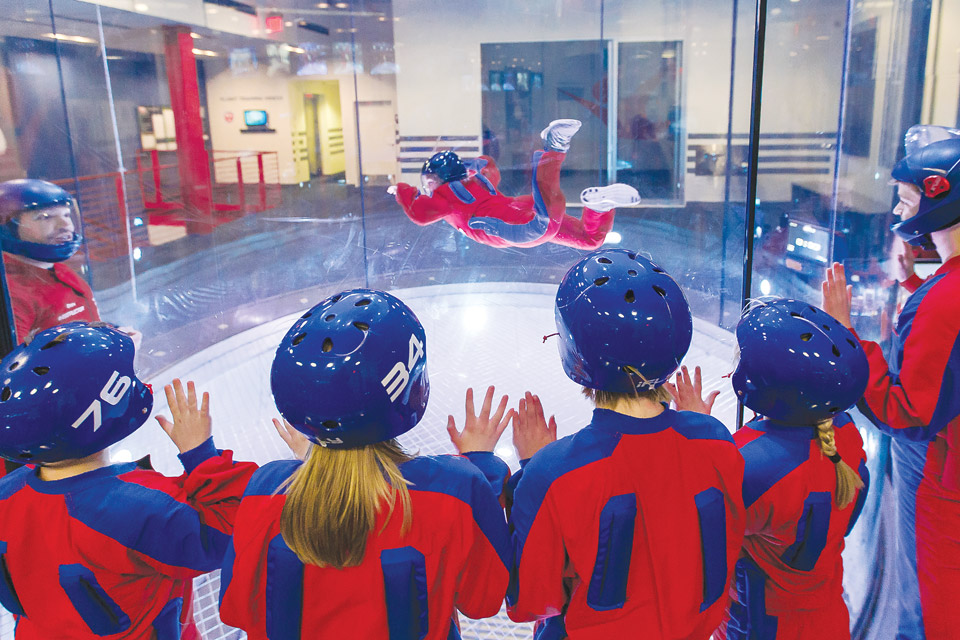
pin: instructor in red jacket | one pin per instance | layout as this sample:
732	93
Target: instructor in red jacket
37	236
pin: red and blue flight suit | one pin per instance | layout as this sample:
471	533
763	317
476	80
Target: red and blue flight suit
788	583
472	204
456	556
800	369
914	396
113	552
109	552
368	386
630	527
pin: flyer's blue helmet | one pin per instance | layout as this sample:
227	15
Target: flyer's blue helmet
797	364
70	393
352	370
22	196
446	165
932	164
624	324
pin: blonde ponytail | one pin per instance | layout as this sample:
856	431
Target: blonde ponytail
333	500
848	480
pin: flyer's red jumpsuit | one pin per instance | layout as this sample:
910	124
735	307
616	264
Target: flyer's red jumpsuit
531	220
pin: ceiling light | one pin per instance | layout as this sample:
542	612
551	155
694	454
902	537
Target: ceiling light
205	52
341	5
142	8
195	35
66	38
323	5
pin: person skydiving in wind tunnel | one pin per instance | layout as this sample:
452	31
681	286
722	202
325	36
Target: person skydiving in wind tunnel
466	195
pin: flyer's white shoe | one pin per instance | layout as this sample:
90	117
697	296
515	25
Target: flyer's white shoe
557	135
609	197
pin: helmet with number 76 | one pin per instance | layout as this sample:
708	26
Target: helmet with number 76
70	393
352	371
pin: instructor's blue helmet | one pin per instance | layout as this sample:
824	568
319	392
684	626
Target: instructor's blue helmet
624	324
352	370
22	196
798	365
932	164
70	393
446	165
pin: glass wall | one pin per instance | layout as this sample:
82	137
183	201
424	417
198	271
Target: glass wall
231	164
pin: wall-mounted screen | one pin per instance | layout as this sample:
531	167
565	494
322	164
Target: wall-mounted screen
255	118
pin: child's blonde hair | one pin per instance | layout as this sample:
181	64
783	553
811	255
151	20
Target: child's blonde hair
333	500
848	480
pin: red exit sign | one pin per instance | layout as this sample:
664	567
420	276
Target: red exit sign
274	23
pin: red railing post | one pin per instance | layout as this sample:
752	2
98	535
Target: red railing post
263	186
243	197
155	160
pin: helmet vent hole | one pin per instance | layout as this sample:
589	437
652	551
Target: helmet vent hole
307	314
327	345
660	291
658	270
795	314
331	424
812	308
632	256
41	371
336	298
5	394
629	297
836	351
60	338
826	327
604	260
834	409
631	272
25	456
363	302
852	343
330	317
600	281
14	365
806	337
363	326
297	339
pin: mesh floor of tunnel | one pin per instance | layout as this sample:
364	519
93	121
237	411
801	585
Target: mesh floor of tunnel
477	334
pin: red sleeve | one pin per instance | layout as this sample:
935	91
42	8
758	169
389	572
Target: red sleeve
422	209
187	534
924	397
912	283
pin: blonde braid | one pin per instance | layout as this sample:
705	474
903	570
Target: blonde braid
848	480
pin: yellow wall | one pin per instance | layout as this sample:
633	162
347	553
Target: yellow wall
331	125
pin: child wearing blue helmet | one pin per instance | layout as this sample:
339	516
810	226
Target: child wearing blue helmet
363	540
630	527
91	549
799	370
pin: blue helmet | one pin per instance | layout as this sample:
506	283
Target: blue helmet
352	370
624	323
797	364
446	165
932	164
70	393
21	196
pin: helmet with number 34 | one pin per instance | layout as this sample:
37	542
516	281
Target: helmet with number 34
352	370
